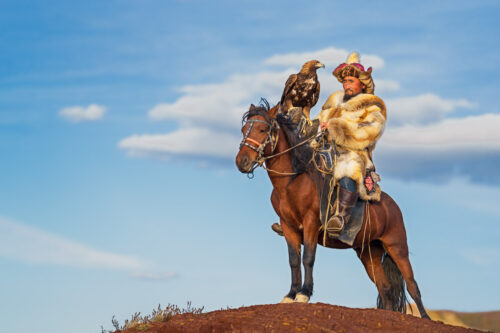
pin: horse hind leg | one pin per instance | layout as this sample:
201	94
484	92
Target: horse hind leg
371	257
397	292
400	256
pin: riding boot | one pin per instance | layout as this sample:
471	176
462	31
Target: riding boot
277	228
347	200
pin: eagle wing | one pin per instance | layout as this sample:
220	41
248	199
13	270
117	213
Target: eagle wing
290	83
315	96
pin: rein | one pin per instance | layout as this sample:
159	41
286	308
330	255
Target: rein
264	158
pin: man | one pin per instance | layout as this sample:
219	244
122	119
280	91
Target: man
355	119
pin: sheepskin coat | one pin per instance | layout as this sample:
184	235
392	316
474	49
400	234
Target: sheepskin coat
355	126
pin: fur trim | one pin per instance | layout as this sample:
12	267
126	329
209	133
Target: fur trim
357	125
333	100
353	58
338	129
354	165
362	101
349	68
350	164
374	196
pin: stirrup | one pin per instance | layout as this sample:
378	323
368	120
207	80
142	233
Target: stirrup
334	232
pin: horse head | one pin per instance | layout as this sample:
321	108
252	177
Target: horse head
259	129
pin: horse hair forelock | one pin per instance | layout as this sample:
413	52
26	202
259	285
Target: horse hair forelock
261	110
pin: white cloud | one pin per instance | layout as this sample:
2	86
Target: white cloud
422	109
188	141
330	56
474	133
457	147
419	133
32	245
222	104
77	114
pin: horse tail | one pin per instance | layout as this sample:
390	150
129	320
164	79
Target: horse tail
397	292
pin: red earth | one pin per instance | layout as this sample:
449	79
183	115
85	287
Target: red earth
299	317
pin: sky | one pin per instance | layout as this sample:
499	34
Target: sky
120	122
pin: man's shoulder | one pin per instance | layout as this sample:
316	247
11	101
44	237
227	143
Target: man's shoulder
366	101
333	100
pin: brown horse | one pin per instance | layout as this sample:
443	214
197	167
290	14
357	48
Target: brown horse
380	245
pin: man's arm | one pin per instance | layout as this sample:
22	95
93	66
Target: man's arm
360	134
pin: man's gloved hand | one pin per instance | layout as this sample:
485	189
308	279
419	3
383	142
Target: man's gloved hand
295	114
316	142
281	118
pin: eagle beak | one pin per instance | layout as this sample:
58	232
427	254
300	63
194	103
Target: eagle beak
320	65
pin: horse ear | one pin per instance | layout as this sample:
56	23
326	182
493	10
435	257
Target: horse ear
252	107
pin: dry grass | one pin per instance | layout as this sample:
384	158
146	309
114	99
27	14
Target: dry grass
158	315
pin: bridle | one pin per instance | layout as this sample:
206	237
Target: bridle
258	147
271	138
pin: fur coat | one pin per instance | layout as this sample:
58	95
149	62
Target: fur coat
355	126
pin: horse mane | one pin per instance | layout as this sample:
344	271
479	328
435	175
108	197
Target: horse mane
301	155
261	110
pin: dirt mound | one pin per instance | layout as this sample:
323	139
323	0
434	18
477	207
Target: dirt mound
296	317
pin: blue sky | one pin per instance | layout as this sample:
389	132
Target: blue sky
119	124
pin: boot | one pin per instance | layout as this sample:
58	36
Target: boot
347	201
277	229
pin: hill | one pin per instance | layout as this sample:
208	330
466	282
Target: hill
298	317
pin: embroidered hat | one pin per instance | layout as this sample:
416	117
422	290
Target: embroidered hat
352	67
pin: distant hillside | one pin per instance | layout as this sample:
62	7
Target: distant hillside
486	321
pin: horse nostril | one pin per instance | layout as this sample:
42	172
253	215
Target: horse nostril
243	163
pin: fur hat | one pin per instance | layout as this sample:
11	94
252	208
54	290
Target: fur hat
352	67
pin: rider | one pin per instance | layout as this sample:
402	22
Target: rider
355	119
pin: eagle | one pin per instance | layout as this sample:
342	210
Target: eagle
302	89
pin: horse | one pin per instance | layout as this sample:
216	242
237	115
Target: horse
381	245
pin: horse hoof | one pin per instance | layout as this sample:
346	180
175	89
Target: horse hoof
301	298
287	299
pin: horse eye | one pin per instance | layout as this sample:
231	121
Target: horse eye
263	131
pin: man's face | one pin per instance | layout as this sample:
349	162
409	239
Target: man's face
352	86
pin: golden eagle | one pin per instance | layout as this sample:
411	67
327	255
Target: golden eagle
302	89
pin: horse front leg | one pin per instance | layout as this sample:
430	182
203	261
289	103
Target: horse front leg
293	240
310	244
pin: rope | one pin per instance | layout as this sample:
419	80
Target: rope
327	213
288	149
278	172
260	162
